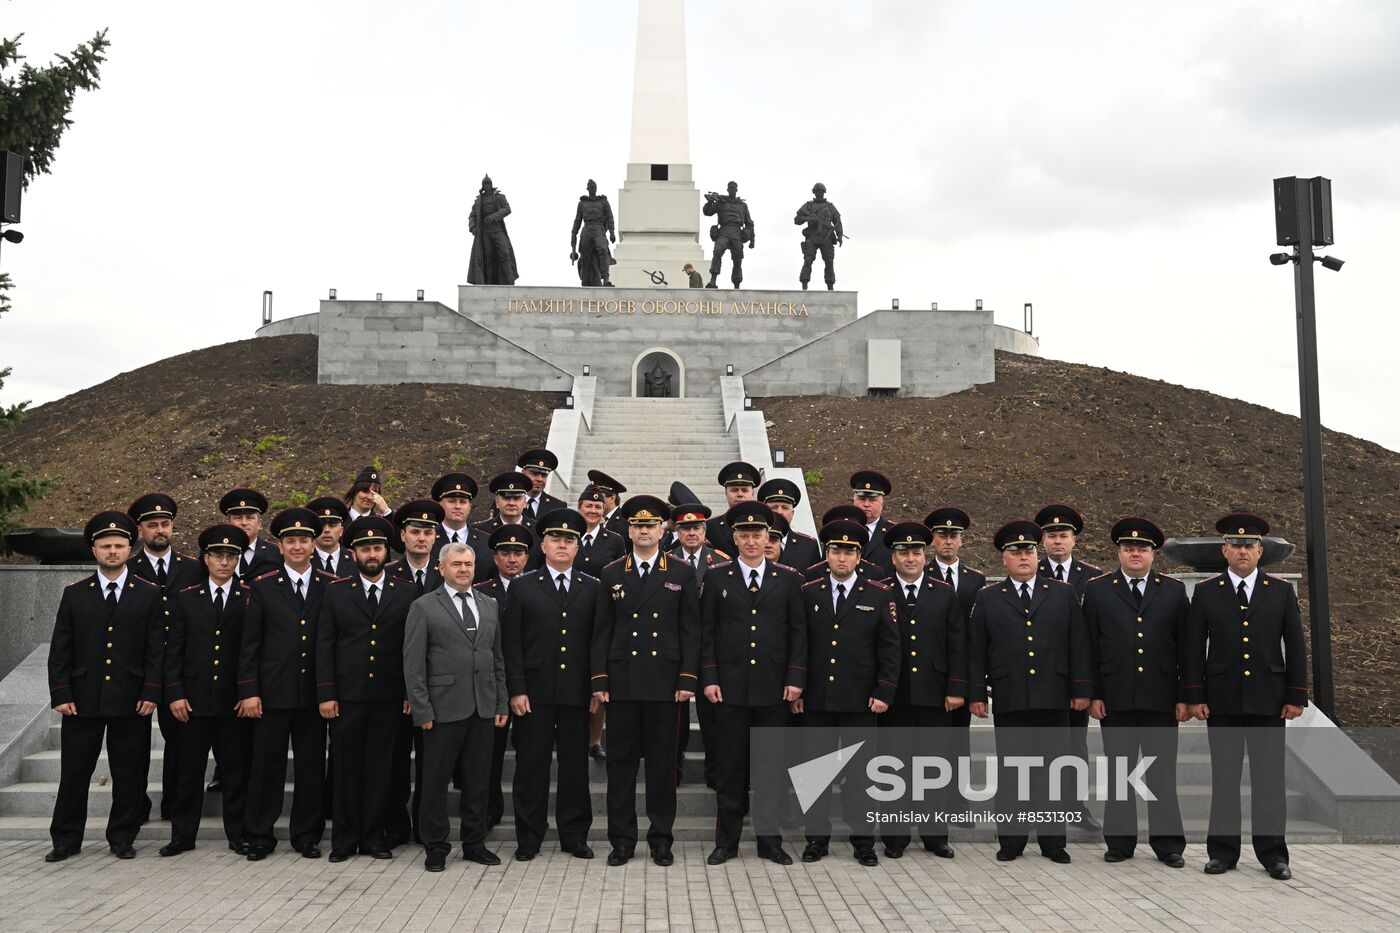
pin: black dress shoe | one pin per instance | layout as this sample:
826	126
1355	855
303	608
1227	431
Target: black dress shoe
1113	855
1006	855
60	853
257	853
662	856
436	860
720	855
310	850
814	852
1173	860
214	787
778	856
524	855
940	849
597	753
894	851
238	846
578	850
619	856
379	852
123	850
1058	856
175	848
867	857
1218	866
339	855
481	855
1279	871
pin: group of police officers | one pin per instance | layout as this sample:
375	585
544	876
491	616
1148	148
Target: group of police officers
627	610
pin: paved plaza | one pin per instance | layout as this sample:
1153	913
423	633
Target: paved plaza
1335	887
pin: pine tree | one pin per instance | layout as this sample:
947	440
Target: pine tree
34	106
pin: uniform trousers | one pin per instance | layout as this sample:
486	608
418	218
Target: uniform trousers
128	758
640	729
305	730
1229	736
547	731
222	736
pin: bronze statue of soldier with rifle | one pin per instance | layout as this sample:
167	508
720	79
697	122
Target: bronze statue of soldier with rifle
823	233
733	227
594	216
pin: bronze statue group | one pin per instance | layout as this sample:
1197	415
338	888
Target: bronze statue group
392	679
493	257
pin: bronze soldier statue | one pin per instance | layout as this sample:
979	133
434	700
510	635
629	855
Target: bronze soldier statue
823	231
733	227
493	259
595	216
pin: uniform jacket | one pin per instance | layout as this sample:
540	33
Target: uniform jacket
933	644
359	650
852	657
1137	649
181	570
450	673
752	644
201	651
107	665
267	557
476	541
547	638
646	635
342	566
400	570
1036	661
1078	576
969	583
707	558
801	551
873	572
277	660
1250	661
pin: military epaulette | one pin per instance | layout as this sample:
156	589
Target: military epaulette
270	573
877	584
817	582
335	580
1102	576
620	560
90	581
140	579
798	534
934	578
196	586
324	574
1266	577
588	575
784	567
721	554
181	556
722	564
987	584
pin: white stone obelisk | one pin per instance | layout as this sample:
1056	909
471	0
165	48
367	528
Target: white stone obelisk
659	206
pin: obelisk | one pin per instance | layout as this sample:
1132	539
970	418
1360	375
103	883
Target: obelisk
659	205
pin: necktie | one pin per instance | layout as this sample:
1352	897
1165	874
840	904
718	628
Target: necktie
948	576
219	601
588	540
326	564
1137	593
563	582
418	578
468	617
1026	597
840	597
161	576
301	593
753	580
694	562
1244	597
373	598
454	538
112	597
530	509
642	569
910	594
1060	572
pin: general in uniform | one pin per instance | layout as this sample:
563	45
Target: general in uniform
1246	673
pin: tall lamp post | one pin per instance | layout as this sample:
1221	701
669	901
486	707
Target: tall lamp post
1303	219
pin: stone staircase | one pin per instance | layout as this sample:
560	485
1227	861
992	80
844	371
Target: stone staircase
26	806
646	443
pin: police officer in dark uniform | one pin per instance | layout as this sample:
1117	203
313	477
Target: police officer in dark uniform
330	556
868	491
598	546
455	492
1137	621
612	517
277	689
753	651
1028	644
739	480
645	658
1246	674
865	568
1060	528
932	667
688	519
244	509
799	551
510	490
537	464
852	666
154	559
418	522
511	546
105	667
546	635
360	687
201	689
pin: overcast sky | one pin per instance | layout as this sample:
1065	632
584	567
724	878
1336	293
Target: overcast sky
1110	162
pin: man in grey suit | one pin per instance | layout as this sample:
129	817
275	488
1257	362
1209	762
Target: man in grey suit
455	675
